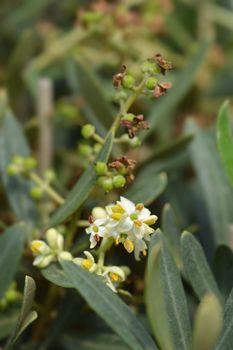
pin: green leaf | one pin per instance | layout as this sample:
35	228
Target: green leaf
225	139
26	316
11	249
209	312
109	306
172	233
223	269
196	267
226	339
83	187
13	142
93	94
56	275
104	341
146	189
165	298
184	80
215	188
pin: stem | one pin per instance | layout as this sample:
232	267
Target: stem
82	223
71	231
105	245
128	103
98	138
49	190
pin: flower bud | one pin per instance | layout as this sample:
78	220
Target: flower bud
119	181
151	82
18	160
97	147
29	163
85	150
101	168
88	130
36	192
49	175
150	68
43	261
128	81
107	184
54	239
128	116
135	142
39	247
120	96
98	213
11	295
65	256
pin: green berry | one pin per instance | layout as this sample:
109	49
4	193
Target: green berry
12	170
97	147
107	184
85	150
135	142
36	192
18	160
101	168
49	175
128	116
11	296
119	181
101	180
128	81
88	130
150	68
120	96
30	163
151	82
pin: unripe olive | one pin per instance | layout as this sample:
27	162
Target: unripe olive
151	82
12	170
85	150
107	184
128	81
135	142
120	96
97	147
36	192
101	168
119	181
30	163
88	130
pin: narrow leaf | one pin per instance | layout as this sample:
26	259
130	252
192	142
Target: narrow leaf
13	142
165	298
57	276
83	187
11	249
225	139
209	313
196	267
109	306
147	189
226	339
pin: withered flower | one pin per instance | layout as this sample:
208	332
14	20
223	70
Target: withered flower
118	77
161	88
136	124
125	165
162	63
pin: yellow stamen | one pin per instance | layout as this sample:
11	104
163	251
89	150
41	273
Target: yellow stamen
138	223
114	277
86	264
144	253
117	241
117	216
95	228
139	206
36	247
118	209
129	246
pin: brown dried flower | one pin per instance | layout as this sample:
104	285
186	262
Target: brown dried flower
136	124
161	88
162	63
118	77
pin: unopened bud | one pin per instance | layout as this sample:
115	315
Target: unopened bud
107	184
36	192
88	130
54	239
128	81
151	82
119	181
65	256
85	150
39	247
29	163
98	213
101	168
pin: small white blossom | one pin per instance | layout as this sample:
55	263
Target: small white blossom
96	230
113	276
87	263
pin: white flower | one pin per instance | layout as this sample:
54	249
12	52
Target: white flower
43	261
113	276
54	239
99	213
39	247
87	263
96	230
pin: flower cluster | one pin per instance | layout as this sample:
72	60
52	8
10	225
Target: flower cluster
126	223
45	253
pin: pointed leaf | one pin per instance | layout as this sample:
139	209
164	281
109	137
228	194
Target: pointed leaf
225	139
146	189
56	275
165	298
209	312
83	187
109	306
13	142
11	249
226	338
196	267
